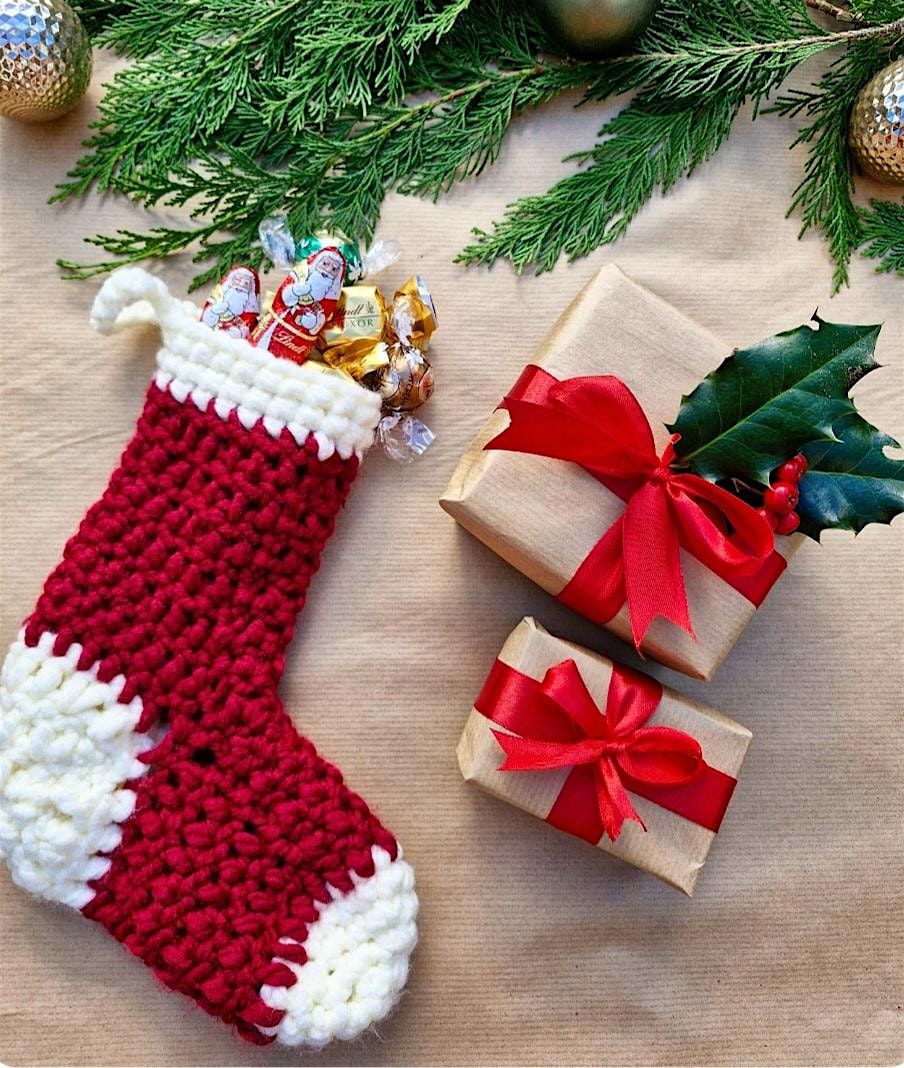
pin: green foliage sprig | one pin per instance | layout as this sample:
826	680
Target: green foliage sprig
882	233
240	109
789	394
824	197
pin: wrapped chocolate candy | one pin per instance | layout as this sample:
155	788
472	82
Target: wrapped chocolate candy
351	253
278	243
406	381
384	349
413	313
307	297
356	333
365	335
234	303
354	340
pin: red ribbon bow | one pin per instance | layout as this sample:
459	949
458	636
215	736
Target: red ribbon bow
597	422
607	748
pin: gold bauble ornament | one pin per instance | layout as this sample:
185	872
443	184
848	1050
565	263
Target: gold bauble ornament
877	125
590	29
45	59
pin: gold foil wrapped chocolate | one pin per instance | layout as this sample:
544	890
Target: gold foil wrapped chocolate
406	382
353	341
368	338
413	313
382	347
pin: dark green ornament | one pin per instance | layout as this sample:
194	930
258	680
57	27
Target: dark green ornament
591	29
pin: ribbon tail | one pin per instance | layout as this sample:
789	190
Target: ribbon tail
614	804
654	583
531	754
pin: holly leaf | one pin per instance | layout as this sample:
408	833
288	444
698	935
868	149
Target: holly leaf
765	403
850	482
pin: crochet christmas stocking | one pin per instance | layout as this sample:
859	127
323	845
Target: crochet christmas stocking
149	776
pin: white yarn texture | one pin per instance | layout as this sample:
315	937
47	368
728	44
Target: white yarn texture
357	966
67	745
200	364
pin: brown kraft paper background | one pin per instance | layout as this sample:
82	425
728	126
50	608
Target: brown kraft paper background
533	949
544	516
672	848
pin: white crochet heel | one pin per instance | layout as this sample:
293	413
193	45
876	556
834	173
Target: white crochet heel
67	746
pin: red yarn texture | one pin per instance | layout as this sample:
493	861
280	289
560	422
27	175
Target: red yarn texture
186	578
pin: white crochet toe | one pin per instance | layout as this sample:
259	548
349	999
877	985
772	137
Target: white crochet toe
357	966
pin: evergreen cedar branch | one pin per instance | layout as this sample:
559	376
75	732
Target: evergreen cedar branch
319	109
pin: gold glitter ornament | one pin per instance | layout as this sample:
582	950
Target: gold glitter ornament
45	59
877	125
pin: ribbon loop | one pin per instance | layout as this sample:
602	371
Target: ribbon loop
597	422
611	745
549	724
661	755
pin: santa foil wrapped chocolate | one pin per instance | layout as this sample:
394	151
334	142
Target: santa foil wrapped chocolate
234	304
306	300
573	481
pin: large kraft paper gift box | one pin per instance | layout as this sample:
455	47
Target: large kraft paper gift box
544	516
679	822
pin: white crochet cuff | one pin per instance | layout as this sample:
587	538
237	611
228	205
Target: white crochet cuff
203	365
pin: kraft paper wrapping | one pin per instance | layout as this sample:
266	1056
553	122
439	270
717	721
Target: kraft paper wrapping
672	848
544	516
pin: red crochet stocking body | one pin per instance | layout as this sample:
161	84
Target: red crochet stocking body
186	579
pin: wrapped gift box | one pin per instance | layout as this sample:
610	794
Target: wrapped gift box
680	820
544	516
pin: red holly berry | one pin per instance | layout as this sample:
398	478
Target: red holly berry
787	524
781	498
788	472
791	470
770	517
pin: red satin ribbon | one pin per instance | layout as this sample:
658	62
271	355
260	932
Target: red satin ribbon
558	724
597	422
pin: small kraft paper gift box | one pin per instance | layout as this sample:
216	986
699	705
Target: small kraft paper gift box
573	481
603	752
